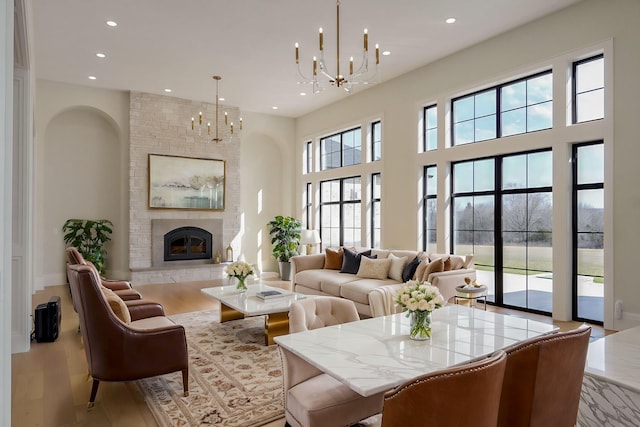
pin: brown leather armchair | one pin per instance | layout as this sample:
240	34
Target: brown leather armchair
543	380
120	351
465	395
120	287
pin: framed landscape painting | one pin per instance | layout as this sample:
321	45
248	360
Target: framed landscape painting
186	183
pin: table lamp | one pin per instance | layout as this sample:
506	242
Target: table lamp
309	238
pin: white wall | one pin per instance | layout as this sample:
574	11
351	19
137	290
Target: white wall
77	125
551	42
6	142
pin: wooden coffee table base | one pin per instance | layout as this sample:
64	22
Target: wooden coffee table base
275	324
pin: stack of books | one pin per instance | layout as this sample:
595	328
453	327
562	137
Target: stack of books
270	294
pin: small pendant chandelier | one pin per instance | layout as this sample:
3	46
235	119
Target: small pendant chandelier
199	127
321	76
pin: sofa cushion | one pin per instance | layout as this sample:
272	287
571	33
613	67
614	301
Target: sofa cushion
456	262
435	266
373	268
358	290
380	253
409	270
333	259
322	279
422	266
351	260
397	266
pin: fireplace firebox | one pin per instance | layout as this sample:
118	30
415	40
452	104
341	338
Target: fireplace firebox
187	243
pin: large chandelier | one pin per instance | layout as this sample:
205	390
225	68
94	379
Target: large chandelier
198	125
320	72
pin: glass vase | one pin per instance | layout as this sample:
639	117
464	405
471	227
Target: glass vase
420	322
241	286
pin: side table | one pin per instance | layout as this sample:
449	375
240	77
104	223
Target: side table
471	295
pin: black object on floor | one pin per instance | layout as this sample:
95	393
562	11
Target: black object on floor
47	320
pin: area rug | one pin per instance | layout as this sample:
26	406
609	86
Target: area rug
234	379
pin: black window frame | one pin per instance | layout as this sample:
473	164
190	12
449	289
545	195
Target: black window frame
426	128
341	202
426	197
498	112
341	134
574	87
375	200
309	157
376	139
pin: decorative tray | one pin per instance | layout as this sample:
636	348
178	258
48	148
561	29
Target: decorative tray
471	289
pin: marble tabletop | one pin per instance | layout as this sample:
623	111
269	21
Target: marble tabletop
248	303
614	358
376	354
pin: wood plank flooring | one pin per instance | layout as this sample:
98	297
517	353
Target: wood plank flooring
50	387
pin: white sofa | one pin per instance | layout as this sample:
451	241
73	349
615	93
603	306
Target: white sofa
373	297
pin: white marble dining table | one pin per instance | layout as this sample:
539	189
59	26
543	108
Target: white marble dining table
376	354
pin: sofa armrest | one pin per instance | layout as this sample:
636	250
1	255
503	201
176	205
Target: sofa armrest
306	262
446	281
382	300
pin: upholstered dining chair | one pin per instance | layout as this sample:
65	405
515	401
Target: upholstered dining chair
120	287
119	348
313	398
543	380
465	395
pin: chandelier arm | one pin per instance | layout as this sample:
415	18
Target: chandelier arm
337	78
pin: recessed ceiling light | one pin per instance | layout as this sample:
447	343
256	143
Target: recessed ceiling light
101	55
112	23
92	77
221	99
450	20
274	108
167	90
303	93
386	53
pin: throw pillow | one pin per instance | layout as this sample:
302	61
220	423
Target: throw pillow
333	259
434	266
456	262
447	263
351	260
410	269
422	266
374	268
118	306
397	267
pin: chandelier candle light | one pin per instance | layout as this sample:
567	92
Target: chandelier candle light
360	76
199	126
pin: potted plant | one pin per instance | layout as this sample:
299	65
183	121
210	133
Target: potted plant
285	238
89	237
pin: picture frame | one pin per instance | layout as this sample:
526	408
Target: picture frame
177	182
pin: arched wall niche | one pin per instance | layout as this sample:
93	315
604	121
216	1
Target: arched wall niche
83	162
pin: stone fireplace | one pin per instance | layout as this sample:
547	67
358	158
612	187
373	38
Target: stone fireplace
162	125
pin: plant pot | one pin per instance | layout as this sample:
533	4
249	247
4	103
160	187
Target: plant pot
285	270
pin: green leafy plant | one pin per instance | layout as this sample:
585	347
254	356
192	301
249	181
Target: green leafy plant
285	237
89	237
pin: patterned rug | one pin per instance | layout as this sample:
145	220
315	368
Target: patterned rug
234	379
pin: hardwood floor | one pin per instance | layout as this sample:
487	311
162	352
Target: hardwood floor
50	387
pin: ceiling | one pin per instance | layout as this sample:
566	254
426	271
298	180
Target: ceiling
180	45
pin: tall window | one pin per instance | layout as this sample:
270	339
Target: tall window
430	128
502	211
341	149
429	207
526	204
375	210
376	141
308	206
588	232
340	212
309	158
588	89
473	224
525	105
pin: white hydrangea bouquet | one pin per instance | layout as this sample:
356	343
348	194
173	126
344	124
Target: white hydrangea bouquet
419	299
240	270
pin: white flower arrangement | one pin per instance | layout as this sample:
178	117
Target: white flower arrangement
419	296
239	269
